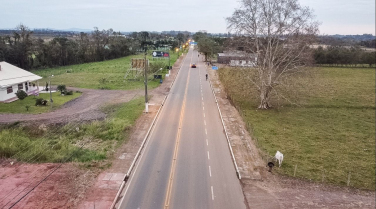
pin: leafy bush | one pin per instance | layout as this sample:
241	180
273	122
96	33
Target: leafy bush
27	107
21	94
40	101
155	66
61	88
69	93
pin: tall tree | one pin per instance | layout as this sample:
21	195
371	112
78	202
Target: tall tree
278	32
208	47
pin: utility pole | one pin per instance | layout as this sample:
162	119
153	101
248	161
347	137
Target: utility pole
51	101
146	82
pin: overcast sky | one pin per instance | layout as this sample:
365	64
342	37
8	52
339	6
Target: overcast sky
336	16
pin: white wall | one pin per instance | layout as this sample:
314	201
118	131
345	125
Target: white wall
4	96
242	63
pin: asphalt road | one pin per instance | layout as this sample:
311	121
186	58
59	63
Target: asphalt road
186	162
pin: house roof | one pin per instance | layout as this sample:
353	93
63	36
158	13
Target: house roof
11	75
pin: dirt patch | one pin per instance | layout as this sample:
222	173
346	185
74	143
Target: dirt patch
263	189
62	189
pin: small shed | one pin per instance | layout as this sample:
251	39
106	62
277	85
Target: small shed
237	59
13	78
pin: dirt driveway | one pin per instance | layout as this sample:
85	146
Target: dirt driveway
84	108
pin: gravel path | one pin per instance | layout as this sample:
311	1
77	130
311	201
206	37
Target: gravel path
84	108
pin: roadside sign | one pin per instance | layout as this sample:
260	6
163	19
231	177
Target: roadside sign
138	63
214	67
193	43
160	54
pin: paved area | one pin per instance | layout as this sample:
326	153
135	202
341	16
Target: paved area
186	163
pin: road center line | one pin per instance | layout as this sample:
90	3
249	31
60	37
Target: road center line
206	132
174	158
205	122
207	142
208	155
212	192
209	171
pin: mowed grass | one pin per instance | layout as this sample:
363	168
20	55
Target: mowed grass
19	106
101	75
327	130
94	141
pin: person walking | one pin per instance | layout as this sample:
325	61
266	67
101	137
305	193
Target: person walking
206	76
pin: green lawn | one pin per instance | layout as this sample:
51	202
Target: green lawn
328	131
92	75
58	143
19	106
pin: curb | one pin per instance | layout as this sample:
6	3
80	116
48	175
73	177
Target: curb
126	176
224	128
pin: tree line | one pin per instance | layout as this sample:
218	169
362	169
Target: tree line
343	56
27	52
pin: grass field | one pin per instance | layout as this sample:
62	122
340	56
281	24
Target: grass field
19	106
57	144
100	75
327	130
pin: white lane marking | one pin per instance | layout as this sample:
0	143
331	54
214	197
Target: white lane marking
208	156
202	98
206	132
204	115
212	192
203	108
205	122
207	142
209	171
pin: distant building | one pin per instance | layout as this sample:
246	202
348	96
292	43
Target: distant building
237	59
12	79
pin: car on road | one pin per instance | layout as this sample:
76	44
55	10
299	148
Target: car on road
193	65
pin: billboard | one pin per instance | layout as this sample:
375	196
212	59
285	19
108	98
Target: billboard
138	63
160	54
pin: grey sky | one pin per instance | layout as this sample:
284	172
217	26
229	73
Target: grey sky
336	16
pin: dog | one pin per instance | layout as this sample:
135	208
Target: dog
279	157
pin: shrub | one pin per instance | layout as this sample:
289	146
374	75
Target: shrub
27	107
21	94
61	88
69	93
40	101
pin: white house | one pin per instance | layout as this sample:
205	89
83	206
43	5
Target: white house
13	78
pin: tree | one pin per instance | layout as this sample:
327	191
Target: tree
278	32
208	47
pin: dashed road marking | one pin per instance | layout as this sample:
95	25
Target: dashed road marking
212	192
207	142
206	132
208	156
209	171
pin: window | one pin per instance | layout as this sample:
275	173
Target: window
20	86
9	90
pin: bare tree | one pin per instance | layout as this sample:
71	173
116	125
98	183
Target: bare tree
278	32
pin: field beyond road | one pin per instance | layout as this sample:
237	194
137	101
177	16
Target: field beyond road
326	129
102	75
